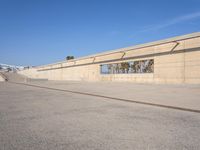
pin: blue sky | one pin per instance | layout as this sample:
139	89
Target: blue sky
36	32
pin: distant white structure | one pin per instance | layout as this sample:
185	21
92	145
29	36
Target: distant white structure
6	67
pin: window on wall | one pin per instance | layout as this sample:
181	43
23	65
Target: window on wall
141	66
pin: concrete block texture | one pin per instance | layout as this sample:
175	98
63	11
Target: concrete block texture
176	60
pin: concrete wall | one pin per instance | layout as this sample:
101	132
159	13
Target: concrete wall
1	79
176	60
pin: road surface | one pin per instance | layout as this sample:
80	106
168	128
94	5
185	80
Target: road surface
33	118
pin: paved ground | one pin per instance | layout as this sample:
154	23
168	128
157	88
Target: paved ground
184	96
41	119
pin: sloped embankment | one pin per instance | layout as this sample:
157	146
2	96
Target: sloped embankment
2	77
15	77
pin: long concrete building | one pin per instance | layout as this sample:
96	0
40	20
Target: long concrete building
174	61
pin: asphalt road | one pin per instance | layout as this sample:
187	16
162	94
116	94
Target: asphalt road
40	119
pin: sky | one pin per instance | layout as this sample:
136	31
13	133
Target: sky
37	32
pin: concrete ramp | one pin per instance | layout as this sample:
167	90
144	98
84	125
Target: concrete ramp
18	78
15	77
1	78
